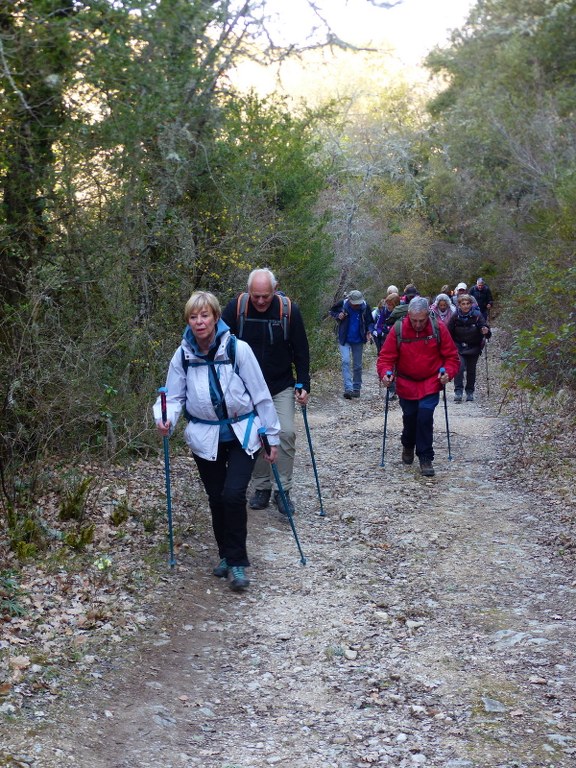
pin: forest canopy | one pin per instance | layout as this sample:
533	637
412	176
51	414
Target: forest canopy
133	172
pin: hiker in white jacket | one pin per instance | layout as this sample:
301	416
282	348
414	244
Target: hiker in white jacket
215	380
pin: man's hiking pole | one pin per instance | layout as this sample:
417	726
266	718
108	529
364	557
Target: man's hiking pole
486	361
264	440
305	417
163	391
388	373
443	370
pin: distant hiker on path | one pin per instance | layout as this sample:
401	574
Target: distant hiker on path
443	308
415	350
381	329
483	296
401	309
273	327
355	326
469	330
460	290
216	382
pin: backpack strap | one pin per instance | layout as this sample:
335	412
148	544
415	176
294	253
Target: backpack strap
285	313
400	338
230	360
241	312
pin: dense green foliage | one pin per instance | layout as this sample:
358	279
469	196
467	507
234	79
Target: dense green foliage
505	169
131	174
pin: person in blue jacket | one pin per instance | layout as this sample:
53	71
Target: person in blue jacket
355	326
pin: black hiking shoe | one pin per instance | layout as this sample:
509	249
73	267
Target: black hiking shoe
280	504
238	578
407	455
260	499
348	395
458	397
356	393
427	469
469	397
221	569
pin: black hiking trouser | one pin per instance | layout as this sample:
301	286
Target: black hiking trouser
468	365
226	482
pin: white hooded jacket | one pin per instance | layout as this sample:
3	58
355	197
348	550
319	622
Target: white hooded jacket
244	391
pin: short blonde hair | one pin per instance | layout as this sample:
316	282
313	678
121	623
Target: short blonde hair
465	297
198	301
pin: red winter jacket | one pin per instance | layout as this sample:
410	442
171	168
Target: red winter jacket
415	364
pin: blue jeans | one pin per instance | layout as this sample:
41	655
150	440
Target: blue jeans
352	382
418	420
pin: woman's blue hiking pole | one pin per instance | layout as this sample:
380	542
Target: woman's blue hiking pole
305	417
388	373
163	391
441	371
264	440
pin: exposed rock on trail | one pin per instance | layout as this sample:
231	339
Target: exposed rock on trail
433	624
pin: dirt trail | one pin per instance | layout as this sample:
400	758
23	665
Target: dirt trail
432	625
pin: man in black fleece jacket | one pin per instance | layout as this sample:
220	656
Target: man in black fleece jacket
273	327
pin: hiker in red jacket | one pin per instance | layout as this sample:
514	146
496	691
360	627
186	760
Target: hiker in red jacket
414	351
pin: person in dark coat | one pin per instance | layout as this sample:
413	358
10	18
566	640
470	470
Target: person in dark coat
483	296
469	331
281	348
355	326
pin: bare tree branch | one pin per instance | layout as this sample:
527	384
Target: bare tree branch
8	75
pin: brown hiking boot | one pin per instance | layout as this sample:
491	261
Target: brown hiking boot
407	455
427	469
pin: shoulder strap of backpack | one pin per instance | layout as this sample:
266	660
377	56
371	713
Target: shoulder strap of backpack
398	331
285	313
241	312
230	351
435	328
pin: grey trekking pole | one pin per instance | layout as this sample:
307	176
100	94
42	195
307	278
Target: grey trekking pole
163	391
305	417
388	373
441	371
264	440
486	362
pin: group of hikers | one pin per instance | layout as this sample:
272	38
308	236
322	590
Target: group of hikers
239	373
421	347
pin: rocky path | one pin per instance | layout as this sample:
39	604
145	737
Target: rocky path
434	624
